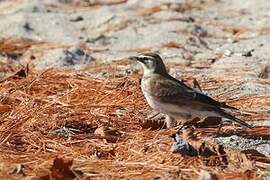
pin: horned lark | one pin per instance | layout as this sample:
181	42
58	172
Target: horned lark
175	99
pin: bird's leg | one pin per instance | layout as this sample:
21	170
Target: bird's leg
184	123
170	121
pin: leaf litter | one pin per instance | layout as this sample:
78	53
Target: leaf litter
57	124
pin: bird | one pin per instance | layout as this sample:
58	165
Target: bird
173	98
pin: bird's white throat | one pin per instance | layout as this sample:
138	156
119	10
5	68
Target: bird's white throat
146	70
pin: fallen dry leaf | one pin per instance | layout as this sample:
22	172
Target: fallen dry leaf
172	44
149	11
61	170
5	108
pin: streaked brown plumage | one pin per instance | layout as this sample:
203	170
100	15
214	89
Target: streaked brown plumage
175	99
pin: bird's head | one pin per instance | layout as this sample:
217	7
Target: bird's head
151	63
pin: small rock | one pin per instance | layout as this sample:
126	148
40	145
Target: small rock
27	27
104	131
61	132
228	53
57	58
237	142
183	147
77	19
199	31
248	53
76	56
101	40
205	175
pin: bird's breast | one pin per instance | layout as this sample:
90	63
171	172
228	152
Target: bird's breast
147	90
174	110
153	101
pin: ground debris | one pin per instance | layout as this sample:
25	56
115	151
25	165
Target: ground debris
19	169
80	82
94	120
15	48
61	169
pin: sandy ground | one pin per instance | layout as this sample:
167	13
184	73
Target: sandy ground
210	40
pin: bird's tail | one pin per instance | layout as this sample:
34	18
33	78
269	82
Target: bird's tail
233	118
224	105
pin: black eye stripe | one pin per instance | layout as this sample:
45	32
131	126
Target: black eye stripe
145	58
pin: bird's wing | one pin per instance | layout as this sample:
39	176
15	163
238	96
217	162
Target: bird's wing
170	89
202	97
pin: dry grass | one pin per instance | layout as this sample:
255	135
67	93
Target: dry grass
49	122
55	113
